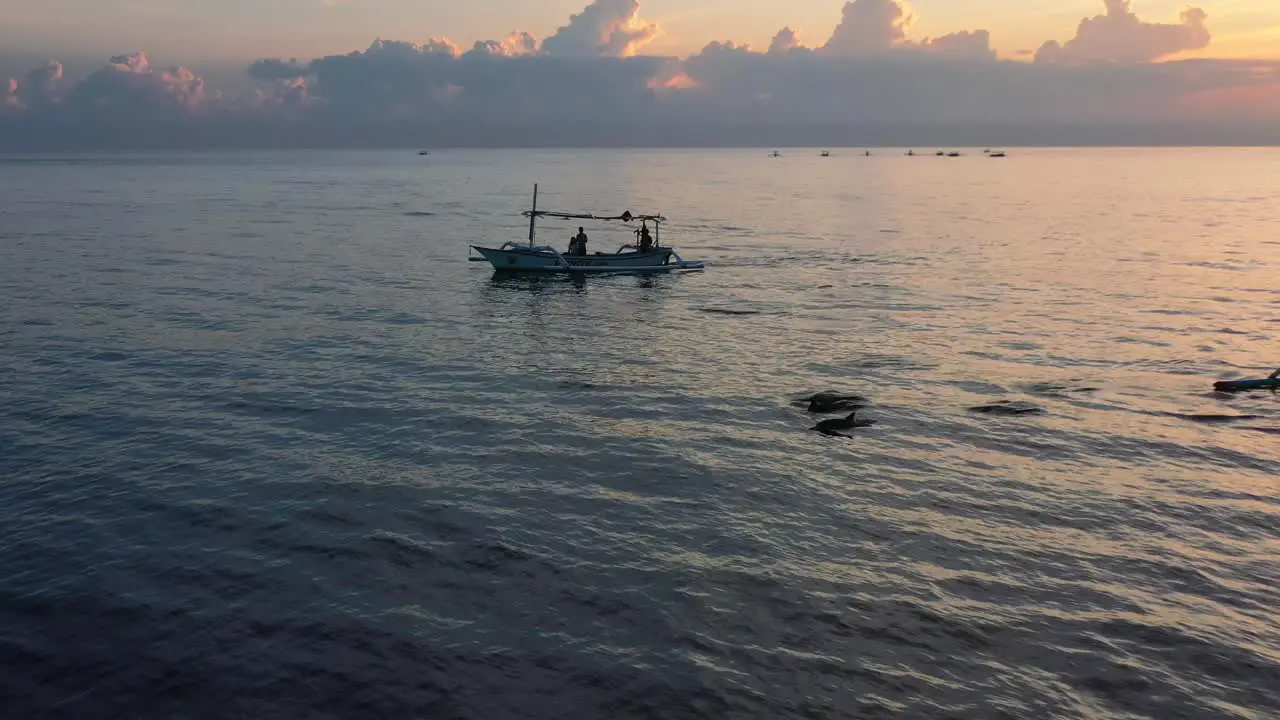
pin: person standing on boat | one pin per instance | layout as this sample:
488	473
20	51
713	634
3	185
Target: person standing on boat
646	242
581	240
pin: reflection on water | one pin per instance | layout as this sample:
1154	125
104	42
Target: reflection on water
273	447
542	282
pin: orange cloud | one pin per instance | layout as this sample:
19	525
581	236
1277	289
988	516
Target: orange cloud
605	27
1120	36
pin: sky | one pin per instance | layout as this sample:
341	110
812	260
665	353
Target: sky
205	31
309	71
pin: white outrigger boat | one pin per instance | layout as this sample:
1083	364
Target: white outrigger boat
526	256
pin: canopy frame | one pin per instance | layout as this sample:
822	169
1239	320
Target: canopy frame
534	213
624	217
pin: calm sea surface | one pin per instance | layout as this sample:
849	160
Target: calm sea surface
270	447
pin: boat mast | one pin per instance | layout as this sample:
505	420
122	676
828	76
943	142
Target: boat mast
534	212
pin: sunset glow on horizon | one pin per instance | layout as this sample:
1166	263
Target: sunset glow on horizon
309	70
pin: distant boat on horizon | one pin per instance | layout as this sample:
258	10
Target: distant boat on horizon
775	153
424	152
826	153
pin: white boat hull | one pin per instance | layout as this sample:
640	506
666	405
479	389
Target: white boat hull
520	259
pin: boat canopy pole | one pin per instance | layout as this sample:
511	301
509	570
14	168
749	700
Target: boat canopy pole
624	217
533	213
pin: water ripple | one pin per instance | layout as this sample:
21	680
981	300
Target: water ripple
272	447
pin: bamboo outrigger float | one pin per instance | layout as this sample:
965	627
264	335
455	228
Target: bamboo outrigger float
528	257
1271	383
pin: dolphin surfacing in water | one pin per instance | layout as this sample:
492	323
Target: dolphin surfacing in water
829	402
833	426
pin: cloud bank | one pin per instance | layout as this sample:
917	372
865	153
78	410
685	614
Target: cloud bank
871	82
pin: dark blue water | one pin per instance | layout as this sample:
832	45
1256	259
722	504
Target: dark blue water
270	447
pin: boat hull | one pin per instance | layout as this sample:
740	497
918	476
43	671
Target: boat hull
541	261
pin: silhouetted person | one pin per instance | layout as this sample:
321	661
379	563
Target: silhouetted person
646	241
581	240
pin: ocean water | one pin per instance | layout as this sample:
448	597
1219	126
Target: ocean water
270	447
